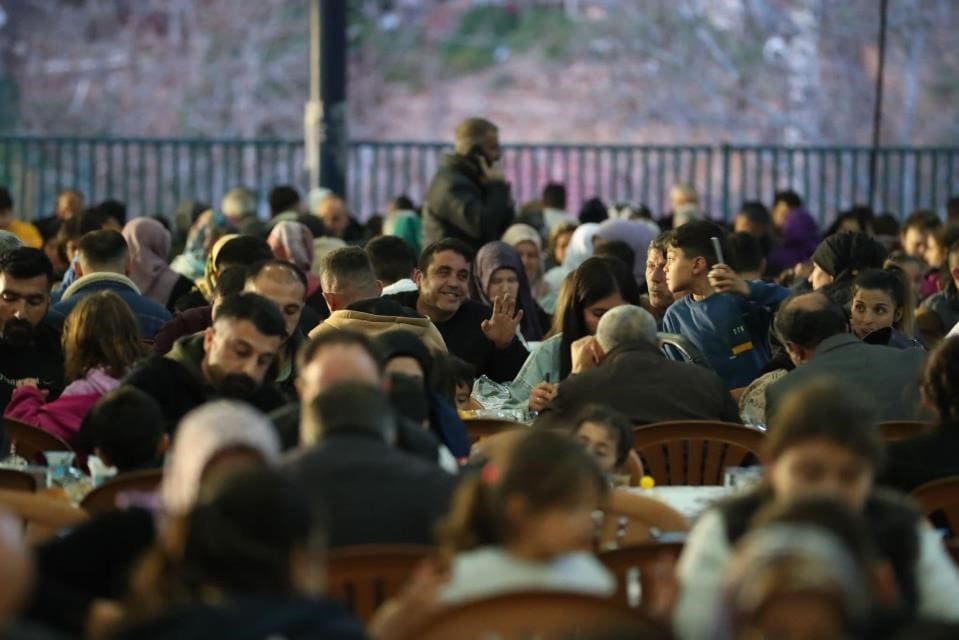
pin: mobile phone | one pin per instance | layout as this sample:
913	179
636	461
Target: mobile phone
475	153
718	248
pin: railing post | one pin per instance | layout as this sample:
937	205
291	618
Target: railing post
726	151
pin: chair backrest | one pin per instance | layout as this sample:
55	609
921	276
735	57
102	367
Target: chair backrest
695	452
364	577
634	467
644	572
104	497
903	429
31	441
544	615
16	480
940	496
479	428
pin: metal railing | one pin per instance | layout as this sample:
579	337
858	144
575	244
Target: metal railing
152	175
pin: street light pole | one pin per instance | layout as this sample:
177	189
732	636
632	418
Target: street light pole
877	104
324	118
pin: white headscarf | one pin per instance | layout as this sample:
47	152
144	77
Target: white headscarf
201	435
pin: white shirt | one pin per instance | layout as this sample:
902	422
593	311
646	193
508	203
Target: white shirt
953	332
490	571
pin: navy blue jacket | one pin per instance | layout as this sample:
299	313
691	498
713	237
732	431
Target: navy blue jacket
151	314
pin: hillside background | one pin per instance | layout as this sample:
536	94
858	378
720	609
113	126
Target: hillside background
616	71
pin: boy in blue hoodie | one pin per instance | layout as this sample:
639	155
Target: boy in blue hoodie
726	317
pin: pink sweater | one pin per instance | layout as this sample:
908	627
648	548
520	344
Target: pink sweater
63	416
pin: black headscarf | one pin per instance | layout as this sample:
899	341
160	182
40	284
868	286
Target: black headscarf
848	254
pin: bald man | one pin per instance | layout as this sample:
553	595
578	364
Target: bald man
815	332
283	284
346	356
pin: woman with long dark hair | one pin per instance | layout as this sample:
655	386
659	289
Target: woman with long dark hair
598	285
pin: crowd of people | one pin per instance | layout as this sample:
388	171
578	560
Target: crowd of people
302	382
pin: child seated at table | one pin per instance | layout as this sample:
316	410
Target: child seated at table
524	521
607	435
125	430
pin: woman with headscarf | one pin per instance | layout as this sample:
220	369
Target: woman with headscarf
206	230
529	245
409	366
838	260
499	271
93	561
212	442
149	244
637	234
580	248
293	242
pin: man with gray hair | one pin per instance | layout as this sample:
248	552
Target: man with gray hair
469	198
623	368
239	206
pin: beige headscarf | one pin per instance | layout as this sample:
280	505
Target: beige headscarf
202	434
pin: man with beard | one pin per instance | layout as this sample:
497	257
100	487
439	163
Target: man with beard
228	360
29	348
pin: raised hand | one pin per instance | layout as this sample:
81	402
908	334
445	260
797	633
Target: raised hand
725	280
500	329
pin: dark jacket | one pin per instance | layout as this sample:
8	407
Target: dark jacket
885	376
410	437
459	204
177	383
254	618
371	492
42	359
151	314
924	458
640	382
184	323
465	339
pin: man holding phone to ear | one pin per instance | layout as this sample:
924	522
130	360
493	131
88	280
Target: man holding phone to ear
469	198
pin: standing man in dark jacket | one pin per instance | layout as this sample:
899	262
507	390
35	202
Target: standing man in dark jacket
469	198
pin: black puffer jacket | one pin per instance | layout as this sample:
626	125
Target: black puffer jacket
459	204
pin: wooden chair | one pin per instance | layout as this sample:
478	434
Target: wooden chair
364	577
634	467
902	429
479	428
30	442
16	480
694	452
544	615
940	496
643	571
104	497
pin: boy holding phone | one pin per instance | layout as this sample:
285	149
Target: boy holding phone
726	317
